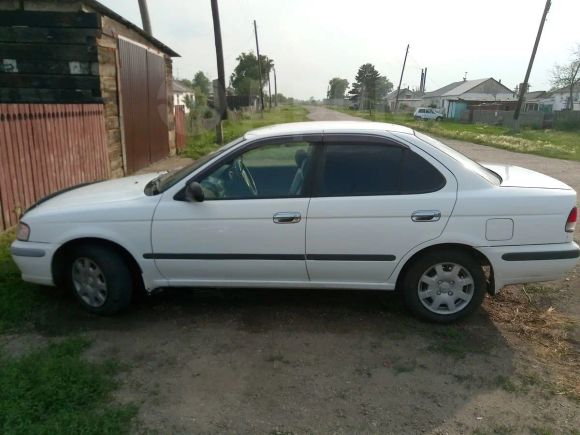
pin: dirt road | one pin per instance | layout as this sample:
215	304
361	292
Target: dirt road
297	362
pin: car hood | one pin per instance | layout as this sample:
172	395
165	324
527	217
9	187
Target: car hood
117	190
516	176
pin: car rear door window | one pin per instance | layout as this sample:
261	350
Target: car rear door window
419	176
361	169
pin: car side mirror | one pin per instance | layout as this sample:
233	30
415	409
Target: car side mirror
194	192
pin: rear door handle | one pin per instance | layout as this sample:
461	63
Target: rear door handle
287	217
426	216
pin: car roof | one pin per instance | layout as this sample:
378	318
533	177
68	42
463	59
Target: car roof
314	127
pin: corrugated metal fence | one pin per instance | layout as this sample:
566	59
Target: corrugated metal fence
144	97
45	148
179	127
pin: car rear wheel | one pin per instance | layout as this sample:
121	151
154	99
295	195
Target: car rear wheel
444	286
100	279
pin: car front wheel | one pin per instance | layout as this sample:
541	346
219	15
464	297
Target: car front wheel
444	286
100	279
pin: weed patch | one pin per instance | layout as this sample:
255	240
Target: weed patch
55	390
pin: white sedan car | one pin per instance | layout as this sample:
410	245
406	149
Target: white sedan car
427	113
332	205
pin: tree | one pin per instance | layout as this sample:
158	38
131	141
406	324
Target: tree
337	88
245	80
189	102
185	82
568	76
200	97
384	86
282	99
369	87
201	81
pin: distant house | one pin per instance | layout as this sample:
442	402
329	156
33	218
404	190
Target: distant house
557	99
407	99
533	102
182	92
453	99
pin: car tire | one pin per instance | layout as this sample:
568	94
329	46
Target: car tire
99	278
444	286
438	118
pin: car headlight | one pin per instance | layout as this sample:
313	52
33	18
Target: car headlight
23	232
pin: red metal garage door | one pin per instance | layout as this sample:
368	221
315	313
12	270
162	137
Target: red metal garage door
144	105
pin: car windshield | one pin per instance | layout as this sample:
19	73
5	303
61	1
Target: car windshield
169	179
479	169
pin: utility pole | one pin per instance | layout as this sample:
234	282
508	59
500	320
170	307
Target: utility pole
269	90
524	86
259	66
145	17
275	89
401	79
221	97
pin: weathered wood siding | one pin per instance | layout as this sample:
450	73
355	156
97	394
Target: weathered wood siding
45	148
49	57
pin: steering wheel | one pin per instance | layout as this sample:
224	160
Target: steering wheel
242	171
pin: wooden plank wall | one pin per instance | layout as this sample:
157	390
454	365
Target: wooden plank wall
45	148
49	57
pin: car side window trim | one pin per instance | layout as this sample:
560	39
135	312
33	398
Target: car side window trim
315	139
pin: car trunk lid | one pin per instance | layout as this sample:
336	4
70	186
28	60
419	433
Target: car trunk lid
516	176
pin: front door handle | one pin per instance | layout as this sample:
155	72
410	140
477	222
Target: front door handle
287	217
426	216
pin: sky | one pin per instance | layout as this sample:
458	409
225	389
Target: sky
312	41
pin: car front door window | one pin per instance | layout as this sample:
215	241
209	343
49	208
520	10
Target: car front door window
269	171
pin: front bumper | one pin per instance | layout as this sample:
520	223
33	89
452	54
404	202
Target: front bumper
34	261
531	263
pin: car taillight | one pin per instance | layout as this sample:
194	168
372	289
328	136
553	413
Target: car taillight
571	222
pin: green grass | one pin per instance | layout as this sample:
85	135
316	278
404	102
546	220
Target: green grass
202	144
52	390
547	143
18	300
56	391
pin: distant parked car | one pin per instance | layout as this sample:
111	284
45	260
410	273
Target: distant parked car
341	205
427	113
